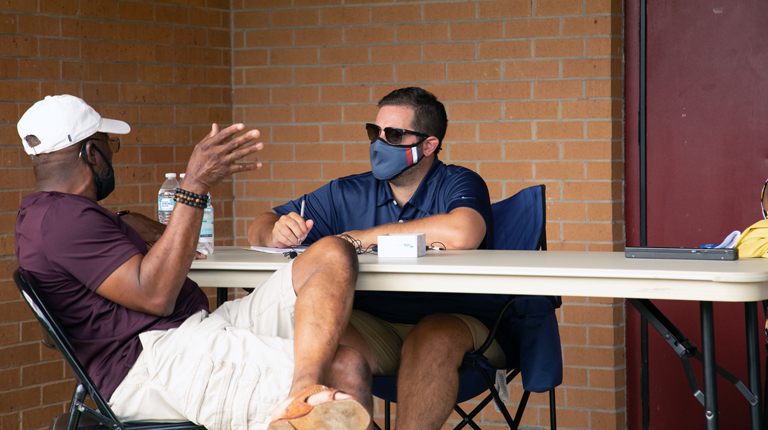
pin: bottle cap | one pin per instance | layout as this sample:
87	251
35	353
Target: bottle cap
170	175
182	175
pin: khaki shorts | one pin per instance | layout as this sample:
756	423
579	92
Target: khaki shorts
223	370
386	339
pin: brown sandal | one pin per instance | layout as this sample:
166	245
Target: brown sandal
345	414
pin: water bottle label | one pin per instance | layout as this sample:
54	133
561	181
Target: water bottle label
206	231
165	204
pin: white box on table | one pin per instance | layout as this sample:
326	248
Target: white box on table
402	245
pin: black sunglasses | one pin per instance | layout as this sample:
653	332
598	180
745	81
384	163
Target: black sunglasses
764	200
393	136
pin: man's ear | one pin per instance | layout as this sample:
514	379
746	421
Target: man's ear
430	146
88	151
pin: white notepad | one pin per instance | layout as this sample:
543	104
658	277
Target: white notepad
269	250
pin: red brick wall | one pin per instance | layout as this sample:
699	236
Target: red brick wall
162	66
533	91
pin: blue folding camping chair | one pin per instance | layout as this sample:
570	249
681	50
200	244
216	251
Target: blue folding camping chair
525	327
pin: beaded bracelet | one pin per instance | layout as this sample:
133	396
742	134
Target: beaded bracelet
190	199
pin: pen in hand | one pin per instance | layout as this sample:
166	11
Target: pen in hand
301	212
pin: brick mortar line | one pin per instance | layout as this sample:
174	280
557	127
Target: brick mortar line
457	81
603	389
420	22
100	40
598	346
107	83
111	41
476	42
395	63
102	19
453	160
447	82
449	102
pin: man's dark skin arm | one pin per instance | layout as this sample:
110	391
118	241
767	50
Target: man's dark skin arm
151	283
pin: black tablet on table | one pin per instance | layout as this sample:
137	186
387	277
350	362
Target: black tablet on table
682	253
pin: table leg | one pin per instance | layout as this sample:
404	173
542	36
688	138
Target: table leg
753	362
710	377
645	396
222	294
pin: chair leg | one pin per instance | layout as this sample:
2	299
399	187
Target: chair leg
497	399
552	410
387	416
74	412
521	407
467	419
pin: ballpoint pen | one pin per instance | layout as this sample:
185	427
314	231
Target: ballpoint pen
301	214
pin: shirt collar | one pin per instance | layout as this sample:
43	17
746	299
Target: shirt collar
423	198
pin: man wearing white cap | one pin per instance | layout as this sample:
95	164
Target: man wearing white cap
142	328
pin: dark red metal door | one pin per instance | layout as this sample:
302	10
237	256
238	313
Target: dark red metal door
707	157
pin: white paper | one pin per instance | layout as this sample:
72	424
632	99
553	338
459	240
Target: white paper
501	386
268	250
730	240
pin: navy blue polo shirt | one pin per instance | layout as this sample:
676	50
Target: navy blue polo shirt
359	202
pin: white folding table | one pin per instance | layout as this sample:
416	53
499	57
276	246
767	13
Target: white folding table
557	273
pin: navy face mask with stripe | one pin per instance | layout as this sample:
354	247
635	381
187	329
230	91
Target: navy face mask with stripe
388	161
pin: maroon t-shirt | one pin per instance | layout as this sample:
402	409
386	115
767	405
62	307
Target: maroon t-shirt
70	245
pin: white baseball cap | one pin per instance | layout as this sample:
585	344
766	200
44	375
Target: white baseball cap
62	121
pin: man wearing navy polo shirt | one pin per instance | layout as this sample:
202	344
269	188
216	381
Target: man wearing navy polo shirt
421	337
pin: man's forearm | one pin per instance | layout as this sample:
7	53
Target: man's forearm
463	228
165	267
260	230
151	283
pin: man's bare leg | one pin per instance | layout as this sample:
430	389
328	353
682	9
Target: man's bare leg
353	339
428	379
350	373
324	279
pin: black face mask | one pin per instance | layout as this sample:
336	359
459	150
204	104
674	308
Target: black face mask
104	186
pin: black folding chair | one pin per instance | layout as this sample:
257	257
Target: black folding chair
519	224
80	415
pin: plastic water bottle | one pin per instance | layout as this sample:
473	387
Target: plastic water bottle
165	196
205	241
205	244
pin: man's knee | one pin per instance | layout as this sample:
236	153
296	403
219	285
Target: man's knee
329	254
336	249
350	362
334	252
439	335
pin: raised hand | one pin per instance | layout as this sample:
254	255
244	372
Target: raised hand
215	157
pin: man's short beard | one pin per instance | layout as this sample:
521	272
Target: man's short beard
403	178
